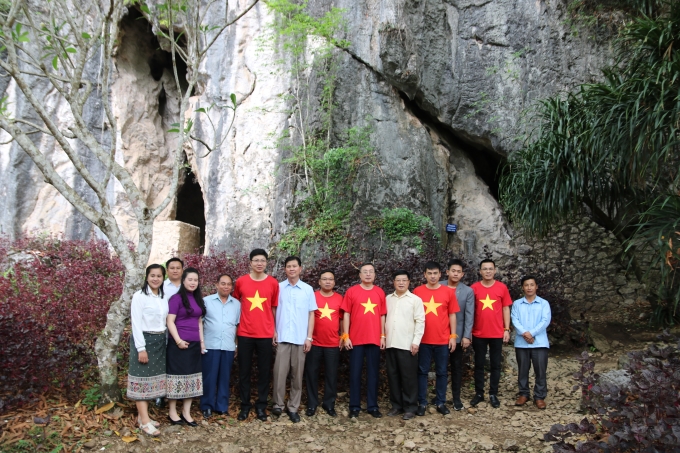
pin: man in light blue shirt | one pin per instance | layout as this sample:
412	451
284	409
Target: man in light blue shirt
293	337
531	317
223	313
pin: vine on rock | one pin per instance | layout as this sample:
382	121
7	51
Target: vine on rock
323	167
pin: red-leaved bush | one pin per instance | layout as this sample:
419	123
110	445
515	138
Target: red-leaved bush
54	296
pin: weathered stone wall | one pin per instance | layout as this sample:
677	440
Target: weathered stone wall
582	260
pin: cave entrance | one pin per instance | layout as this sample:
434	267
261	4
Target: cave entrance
190	204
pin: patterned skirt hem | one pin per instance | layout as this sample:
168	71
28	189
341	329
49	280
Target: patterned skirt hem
146	388
184	386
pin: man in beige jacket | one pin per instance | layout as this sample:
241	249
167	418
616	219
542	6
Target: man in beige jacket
404	328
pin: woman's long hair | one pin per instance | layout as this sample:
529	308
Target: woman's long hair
198	296
145	286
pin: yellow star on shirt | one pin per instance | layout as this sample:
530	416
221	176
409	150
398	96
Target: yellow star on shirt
368	306
488	303
326	312
431	306
256	301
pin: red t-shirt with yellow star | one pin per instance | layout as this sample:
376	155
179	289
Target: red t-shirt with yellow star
489	303
327	320
257	299
365	307
439	304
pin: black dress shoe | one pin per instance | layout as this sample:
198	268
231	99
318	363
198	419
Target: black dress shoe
294	417
329	410
176	422
207	413
375	413
277	411
495	403
219	412
442	409
476	400
353	414
420	411
310	412
261	415
394	411
192	424
457	404
408	416
242	415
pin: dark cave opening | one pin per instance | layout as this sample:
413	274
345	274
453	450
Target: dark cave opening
190	204
486	162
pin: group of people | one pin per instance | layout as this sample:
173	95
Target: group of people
183	346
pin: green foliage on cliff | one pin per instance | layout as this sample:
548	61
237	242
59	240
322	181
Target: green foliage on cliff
614	147
323	164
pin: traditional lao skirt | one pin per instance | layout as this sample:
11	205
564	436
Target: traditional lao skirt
185	372
147	381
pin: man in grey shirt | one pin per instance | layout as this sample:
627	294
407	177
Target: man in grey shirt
466	316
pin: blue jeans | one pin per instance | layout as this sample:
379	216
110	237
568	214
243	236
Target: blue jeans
441	362
356	365
216	375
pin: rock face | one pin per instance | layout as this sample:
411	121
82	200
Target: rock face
442	83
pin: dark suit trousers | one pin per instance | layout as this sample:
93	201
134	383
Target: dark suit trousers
538	357
456	371
495	346
356	364
264	349
330	356
402	377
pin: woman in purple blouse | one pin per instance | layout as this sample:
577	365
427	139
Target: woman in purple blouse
184	371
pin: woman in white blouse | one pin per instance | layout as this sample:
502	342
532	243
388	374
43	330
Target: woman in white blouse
146	374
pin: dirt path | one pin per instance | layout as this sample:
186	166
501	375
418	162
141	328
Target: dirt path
508	428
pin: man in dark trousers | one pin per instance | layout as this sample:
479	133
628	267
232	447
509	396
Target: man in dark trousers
531	317
490	330
464	319
259	296
404	327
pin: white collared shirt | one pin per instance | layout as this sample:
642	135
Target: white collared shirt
169	289
405	323
148	313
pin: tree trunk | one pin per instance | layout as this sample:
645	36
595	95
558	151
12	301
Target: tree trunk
108	340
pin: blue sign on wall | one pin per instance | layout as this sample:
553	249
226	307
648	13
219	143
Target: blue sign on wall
451	227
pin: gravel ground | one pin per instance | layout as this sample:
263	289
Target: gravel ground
508	428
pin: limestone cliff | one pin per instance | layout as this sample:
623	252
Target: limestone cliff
443	84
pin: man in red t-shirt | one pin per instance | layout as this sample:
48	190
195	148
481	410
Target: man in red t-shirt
439	339
490	330
364	305
259	296
325	346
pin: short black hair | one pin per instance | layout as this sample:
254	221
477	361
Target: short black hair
432	265
258	252
487	260
173	259
399	272
528	277
455	262
366	264
326	271
292	258
219	277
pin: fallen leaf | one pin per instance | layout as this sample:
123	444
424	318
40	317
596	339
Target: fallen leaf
42	421
129	439
117	433
104	408
77	404
117	413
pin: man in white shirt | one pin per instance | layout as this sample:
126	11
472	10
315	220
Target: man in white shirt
404	328
174	266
